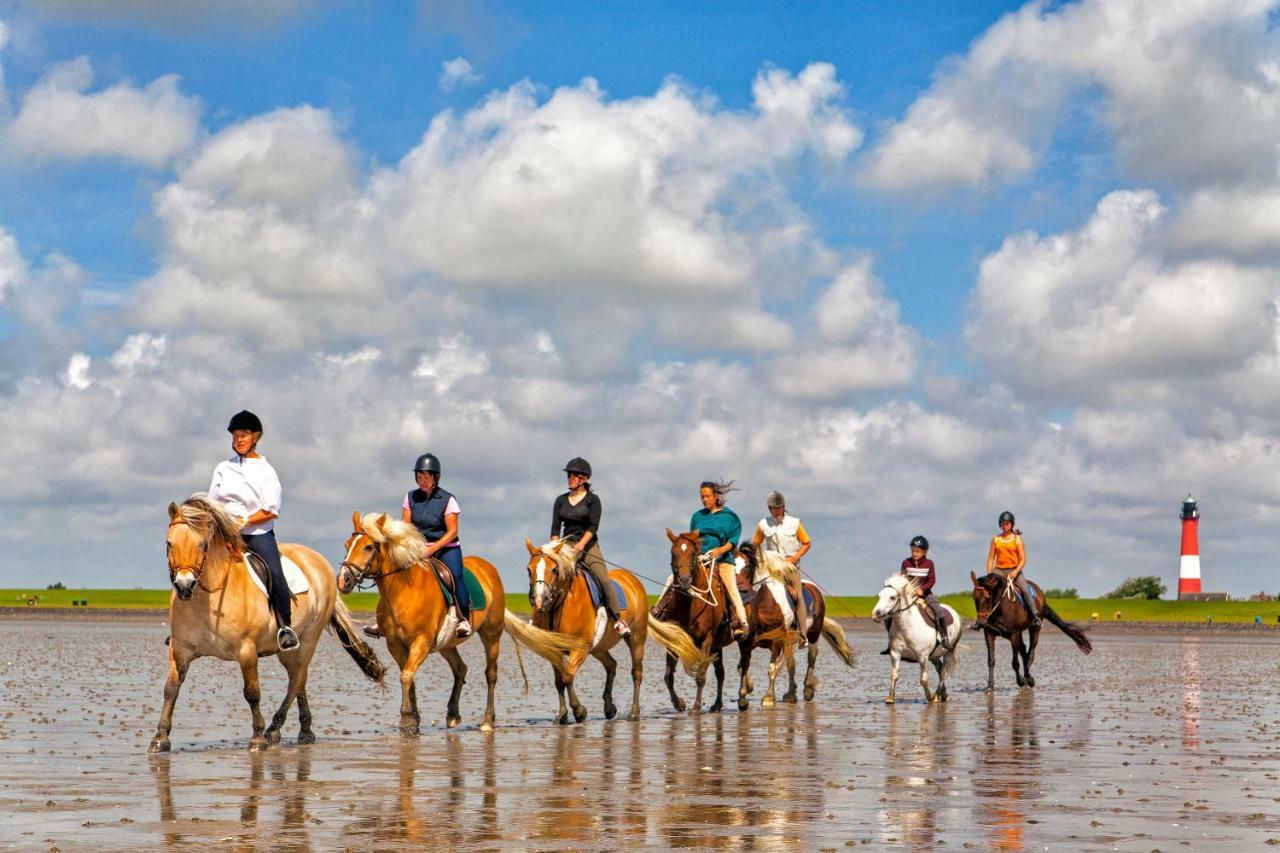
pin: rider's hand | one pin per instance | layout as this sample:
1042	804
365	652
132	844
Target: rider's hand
242	522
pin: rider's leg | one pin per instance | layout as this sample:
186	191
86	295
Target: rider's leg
264	545
452	557
594	561
728	577
662	607
802	613
1021	583
939	617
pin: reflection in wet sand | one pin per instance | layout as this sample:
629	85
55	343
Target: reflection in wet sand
1189	678
1007	777
920	749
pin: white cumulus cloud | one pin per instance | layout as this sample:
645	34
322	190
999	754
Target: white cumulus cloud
456	73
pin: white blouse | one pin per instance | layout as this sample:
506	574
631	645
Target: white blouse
244	486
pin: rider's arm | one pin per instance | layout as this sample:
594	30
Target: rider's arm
926	586
406	514
991	555
1022	558
259	517
450	534
757	538
805	544
555	519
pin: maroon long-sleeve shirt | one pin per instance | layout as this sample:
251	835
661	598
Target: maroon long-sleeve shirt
920	571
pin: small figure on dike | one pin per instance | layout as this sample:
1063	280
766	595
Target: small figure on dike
783	534
1007	558
575	517
249	488
921	570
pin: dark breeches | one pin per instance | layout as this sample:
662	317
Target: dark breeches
452	557
264	545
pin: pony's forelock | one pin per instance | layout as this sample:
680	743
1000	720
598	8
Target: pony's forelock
555	552
209	518
405	543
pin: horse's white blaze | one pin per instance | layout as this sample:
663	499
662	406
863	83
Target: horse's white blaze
684	546
540	569
352	549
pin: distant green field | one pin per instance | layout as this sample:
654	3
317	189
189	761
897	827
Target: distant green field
1078	610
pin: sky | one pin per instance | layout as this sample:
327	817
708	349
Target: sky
912	264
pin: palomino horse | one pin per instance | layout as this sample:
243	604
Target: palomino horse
413	614
216	611
769	627
562	603
1001	614
914	640
699	605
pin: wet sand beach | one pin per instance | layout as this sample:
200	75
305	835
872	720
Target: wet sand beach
1156	741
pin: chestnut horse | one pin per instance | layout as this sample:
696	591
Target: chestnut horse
412	612
216	611
768	628
699	606
1001	614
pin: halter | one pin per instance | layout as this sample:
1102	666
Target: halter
999	597
902	607
708	563
198	570
364	580
555	594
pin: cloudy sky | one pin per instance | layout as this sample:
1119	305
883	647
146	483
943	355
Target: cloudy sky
912	269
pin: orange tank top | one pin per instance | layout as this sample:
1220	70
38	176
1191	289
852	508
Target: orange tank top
1006	551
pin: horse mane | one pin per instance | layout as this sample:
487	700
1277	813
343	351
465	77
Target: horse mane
899	583
405	543
555	552
211	519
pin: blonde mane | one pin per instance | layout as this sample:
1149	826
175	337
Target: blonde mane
901	584
556	552
405	543
211	520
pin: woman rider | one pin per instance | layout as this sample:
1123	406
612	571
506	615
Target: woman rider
1007	558
784	535
575	517
435	512
249	488
720	529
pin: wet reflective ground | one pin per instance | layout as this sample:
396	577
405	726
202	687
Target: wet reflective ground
1154	742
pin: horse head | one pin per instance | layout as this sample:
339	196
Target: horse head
196	528
748	560
686	548
897	594
986	594
551	568
363	554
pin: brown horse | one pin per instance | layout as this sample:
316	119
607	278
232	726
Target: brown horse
699	606
216	611
1001	614
768	629
413	614
562	603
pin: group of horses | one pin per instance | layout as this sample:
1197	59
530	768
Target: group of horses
216	611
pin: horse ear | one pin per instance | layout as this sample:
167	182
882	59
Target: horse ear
355	520
382	521
173	510
973	578
671	535
533	549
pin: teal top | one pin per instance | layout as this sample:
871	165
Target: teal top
717	528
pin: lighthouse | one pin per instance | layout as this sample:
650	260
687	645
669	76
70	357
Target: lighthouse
1189	564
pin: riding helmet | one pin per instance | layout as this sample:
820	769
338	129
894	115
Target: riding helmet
427	463
578	465
1005	516
245	420
775	499
921	543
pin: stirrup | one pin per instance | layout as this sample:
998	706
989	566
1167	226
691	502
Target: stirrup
371	629
620	627
286	639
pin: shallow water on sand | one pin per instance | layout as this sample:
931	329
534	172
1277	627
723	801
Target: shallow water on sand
1152	742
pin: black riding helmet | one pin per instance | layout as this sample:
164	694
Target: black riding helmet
244	420
921	543
578	465
1005	516
427	463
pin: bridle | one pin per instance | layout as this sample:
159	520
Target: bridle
706	596
365	580
553	598
196	570
903	605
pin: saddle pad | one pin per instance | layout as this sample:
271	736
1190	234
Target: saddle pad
476	591
597	598
808	598
293	576
1018	594
928	615
745	590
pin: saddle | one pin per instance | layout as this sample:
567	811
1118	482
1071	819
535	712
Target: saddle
260	575
949	619
597	594
444	577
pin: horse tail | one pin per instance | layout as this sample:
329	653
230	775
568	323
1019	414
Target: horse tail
676	640
950	660
835	636
551	645
1077	636
360	651
523	674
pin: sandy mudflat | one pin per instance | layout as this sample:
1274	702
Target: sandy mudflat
1155	741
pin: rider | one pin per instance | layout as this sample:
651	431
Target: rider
249	488
576	517
1007	558
435	512
720	529
920	569
784	535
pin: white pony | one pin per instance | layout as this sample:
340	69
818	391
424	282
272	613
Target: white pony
913	640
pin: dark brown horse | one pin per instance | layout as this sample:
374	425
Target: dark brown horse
1001	614
768	629
698	605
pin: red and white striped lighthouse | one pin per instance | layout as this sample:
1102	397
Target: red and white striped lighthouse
1189	564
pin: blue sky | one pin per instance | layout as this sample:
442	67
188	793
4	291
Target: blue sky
913	263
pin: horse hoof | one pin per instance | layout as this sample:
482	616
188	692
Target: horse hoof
716	708
486	726
159	744
306	737
410	728
768	702
1031	682
743	704
579	714
808	694
610	711
933	700
564	719
259	744
452	722
888	700
679	705
790	697
272	736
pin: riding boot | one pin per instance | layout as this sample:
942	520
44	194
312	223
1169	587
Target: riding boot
662	607
464	627
371	629
286	638
1035	618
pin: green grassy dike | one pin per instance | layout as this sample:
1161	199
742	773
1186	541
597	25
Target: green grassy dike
1076	610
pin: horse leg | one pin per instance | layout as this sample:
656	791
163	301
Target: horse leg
576	659
253	695
491	648
1015	642
610	670
1033	637
939	664
563	717
718	705
637	674
700	681
305	735
410	719
991	659
775	654
452	715
744	664
670	679
172	684
895	660
789	652
297	670
924	680
810	677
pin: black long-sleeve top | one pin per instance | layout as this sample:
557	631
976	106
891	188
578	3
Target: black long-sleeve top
570	522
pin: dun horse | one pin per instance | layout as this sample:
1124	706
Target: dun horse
1001	614
216	611
769	627
699	606
413	614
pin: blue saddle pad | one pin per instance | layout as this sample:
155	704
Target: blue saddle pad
597	598
1018	594
808	598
